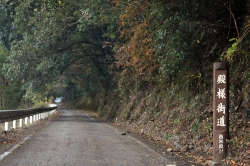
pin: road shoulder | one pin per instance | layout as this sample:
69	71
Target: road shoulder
14	137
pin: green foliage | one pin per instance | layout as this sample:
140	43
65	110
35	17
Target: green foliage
195	126
233	142
182	40
177	122
6	28
209	128
65	35
10	92
156	125
168	136
228	55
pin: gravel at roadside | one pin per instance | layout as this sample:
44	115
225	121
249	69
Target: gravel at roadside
10	138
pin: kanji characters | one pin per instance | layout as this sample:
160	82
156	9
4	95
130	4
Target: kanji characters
221	108
221	79
221	121
221	93
221	147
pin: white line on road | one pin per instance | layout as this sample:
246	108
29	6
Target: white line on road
13	148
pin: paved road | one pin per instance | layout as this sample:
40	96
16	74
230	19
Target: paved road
76	139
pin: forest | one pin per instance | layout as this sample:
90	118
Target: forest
146	63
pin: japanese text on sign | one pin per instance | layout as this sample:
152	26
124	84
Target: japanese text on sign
220	110
221	143
221	94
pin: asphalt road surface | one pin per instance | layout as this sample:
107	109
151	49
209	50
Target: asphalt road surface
76	139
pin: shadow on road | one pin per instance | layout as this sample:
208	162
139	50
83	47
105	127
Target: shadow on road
75	116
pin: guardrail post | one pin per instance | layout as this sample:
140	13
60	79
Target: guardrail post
14	124
20	123
26	121
31	119
6	126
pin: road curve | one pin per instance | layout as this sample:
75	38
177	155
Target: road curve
76	139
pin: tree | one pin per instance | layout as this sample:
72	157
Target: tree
63	34
10	92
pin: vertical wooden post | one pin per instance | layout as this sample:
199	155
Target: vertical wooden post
220	110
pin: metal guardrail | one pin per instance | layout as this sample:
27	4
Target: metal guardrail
9	115
30	113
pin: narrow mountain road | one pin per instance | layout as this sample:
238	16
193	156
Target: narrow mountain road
76	139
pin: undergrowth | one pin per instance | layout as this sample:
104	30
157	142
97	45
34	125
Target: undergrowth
185	121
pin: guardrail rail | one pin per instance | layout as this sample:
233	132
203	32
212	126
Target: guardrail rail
31	114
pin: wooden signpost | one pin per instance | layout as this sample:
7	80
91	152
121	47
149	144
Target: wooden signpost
220	110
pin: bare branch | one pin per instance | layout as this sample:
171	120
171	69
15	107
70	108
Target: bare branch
235	23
